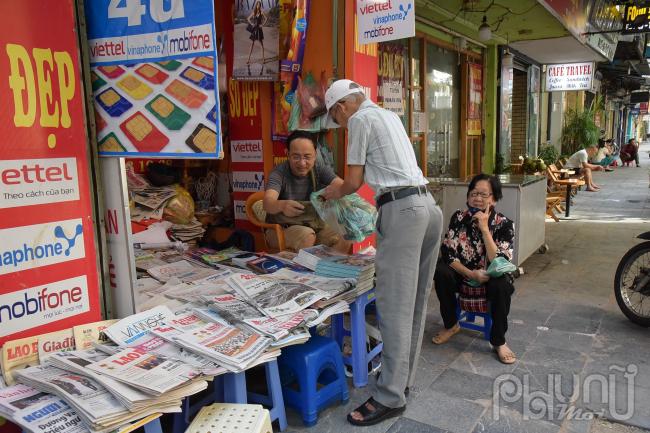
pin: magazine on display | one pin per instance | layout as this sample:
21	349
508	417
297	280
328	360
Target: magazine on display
309	257
53	342
85	335
18	354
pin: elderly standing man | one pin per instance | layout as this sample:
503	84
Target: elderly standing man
409	226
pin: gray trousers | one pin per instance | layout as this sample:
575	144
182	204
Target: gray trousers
408	240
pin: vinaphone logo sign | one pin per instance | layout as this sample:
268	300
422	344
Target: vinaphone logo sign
28	247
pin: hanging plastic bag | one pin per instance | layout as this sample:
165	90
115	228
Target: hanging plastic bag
180	209
351	216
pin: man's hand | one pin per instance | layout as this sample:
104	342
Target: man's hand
333	191
292	208
480	275
481	218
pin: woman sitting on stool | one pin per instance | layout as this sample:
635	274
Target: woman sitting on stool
476	236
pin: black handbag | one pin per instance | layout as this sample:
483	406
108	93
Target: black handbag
250	28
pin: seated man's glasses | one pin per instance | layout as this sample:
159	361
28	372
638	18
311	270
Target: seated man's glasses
298	158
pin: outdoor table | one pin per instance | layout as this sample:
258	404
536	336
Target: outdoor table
569	183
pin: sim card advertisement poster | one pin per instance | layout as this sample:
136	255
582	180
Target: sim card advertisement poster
48	267
154	77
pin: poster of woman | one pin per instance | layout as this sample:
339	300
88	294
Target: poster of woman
256	40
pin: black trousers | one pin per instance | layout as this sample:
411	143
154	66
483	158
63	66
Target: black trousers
499	292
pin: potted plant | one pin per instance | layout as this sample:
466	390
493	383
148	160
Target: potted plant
579	130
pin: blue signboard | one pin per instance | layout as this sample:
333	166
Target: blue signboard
154	66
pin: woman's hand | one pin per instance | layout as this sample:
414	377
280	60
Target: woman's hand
481	218
479	275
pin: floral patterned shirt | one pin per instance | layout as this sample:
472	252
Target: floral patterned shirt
464	242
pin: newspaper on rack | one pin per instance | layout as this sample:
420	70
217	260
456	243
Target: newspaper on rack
153	374
97	407
89	398
18	354
153	197
309	257
131	327
36	411
165	272
234	348
186	232
156	345
280	327
145	260
53	342
276	297
332	286
85	335
233	308
77	361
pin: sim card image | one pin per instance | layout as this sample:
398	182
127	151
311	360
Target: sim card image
96	81
168	113
170	65
111	143
202	140
204	62
134	87
151	74
201	79
212	115
111	71
143	134
113	103
188	96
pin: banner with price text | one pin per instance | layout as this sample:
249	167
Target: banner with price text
48	266
154	77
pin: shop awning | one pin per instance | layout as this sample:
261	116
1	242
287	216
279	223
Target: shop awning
566	49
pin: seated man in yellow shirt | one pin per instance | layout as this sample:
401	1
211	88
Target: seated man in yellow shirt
288	188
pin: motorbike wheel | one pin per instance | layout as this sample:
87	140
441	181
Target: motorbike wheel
630	301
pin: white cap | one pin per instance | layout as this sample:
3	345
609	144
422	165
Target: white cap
338	90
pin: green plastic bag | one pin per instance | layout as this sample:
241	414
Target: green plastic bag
351	216
500	266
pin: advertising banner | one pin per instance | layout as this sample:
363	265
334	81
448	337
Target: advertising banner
154	68
256	40
474	98
48	268
385	20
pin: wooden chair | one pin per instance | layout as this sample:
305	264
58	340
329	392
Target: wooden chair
553	203
256	215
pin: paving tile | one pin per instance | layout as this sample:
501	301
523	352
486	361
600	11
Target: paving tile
465	385
509	421
448	413
405	425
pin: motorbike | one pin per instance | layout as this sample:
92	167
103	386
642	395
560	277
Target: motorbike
632	282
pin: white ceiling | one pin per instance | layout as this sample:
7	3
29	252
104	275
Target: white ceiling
557	50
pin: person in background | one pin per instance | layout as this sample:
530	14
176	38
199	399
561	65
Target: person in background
475	237
579	162
604	155
291	183
630	152
409	226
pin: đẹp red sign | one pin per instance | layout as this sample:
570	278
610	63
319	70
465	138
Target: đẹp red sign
48	270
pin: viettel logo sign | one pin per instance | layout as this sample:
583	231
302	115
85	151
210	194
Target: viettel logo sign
38	245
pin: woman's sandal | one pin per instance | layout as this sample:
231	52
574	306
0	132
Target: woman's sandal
378	414
506	359
438	339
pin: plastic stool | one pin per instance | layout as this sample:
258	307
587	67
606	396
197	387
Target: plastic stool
231	418
466	320
234	391
360	356
317	368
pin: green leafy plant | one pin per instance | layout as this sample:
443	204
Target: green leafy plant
500	167
548	154
579	130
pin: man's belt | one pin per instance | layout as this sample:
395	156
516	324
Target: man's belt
389	196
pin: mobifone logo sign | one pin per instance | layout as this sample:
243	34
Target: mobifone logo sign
29	247
36	306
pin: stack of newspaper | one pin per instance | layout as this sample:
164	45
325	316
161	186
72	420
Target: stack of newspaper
36	411
309	257
187	232
360	267
150	202
233	348
98	408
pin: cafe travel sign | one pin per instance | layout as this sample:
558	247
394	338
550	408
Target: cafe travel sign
569	76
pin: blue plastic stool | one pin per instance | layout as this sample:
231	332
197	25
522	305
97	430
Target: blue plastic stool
360	356
467	320
231	388
317	362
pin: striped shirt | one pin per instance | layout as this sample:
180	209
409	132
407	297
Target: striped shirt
377	140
